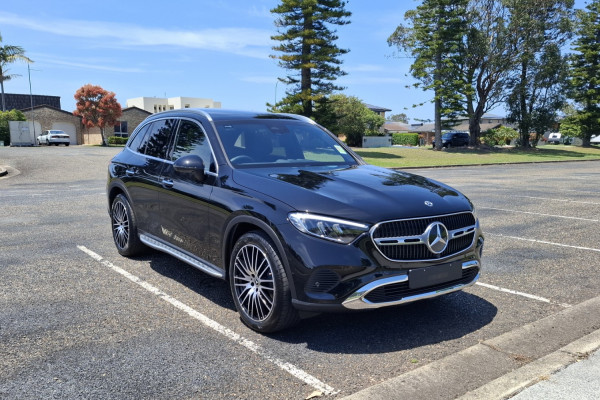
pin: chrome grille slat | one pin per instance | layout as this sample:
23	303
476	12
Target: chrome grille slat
415	227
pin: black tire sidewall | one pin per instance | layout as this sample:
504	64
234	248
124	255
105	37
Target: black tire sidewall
282	314
134	245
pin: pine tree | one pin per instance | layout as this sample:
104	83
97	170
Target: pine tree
307	49
585	71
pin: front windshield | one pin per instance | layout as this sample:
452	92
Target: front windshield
279	142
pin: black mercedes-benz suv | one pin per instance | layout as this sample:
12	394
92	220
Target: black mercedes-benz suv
288	215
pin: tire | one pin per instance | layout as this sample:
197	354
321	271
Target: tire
260	286
67	144
47	143
124	228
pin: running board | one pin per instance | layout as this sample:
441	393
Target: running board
186	258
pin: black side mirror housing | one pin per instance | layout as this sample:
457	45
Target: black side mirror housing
191	167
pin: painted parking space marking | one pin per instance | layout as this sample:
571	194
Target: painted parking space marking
228	333
529	296
559	200
543	242
540	214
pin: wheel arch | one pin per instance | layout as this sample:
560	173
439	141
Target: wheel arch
115	190
243	224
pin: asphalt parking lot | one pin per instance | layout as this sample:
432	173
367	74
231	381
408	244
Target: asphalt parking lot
78	320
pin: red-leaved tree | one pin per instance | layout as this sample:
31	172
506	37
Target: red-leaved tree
97	107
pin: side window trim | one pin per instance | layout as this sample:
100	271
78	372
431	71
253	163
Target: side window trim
174	143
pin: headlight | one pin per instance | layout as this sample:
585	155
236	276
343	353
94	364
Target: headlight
333	229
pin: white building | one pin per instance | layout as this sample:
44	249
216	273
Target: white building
157	104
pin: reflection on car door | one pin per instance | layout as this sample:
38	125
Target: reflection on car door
185	203
144	172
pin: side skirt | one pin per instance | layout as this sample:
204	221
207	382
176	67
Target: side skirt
195	262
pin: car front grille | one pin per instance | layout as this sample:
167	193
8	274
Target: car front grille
401	290
414	227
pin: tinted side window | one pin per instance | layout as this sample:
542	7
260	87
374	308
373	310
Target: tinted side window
192	140
137	142
157	141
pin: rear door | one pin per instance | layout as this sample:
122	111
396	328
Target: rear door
144	172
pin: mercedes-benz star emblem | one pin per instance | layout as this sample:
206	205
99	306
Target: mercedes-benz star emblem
437	237
429	204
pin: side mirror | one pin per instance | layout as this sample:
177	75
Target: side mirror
190	166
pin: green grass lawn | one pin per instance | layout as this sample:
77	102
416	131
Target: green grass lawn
397	157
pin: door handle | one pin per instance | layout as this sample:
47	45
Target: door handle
167	183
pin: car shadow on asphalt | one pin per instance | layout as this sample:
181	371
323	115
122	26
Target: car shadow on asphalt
393	328
214	289
364	332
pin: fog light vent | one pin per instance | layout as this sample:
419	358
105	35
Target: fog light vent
322	281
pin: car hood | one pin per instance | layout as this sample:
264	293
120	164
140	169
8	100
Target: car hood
362	193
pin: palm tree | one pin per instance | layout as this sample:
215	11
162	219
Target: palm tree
9	54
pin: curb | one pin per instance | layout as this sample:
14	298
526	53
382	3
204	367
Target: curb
501	366
514	382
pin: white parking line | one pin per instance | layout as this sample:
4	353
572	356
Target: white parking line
542	242
529	296
533	213
228	333
559	200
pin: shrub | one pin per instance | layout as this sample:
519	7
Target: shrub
501	135
117	140
5	117
405	139
4	135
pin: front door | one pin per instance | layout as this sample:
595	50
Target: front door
185	201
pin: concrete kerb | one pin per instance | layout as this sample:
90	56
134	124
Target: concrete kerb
502	366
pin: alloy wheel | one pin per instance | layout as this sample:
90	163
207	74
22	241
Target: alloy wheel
120	224
254	283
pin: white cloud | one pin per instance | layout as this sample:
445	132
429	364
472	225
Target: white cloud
241	41
90	65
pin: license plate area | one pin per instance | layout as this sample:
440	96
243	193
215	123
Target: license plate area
434	275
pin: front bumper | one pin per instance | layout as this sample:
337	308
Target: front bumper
359	300
330	278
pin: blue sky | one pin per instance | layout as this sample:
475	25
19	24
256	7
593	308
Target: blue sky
210	49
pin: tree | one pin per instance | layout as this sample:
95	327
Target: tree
486	61
307	49
585	72
537	29
5	117
570	124
353	119
543	93
8	55
399	118
97	107
435	38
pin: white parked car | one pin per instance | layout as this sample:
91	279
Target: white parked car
55	137
554	138
595	139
